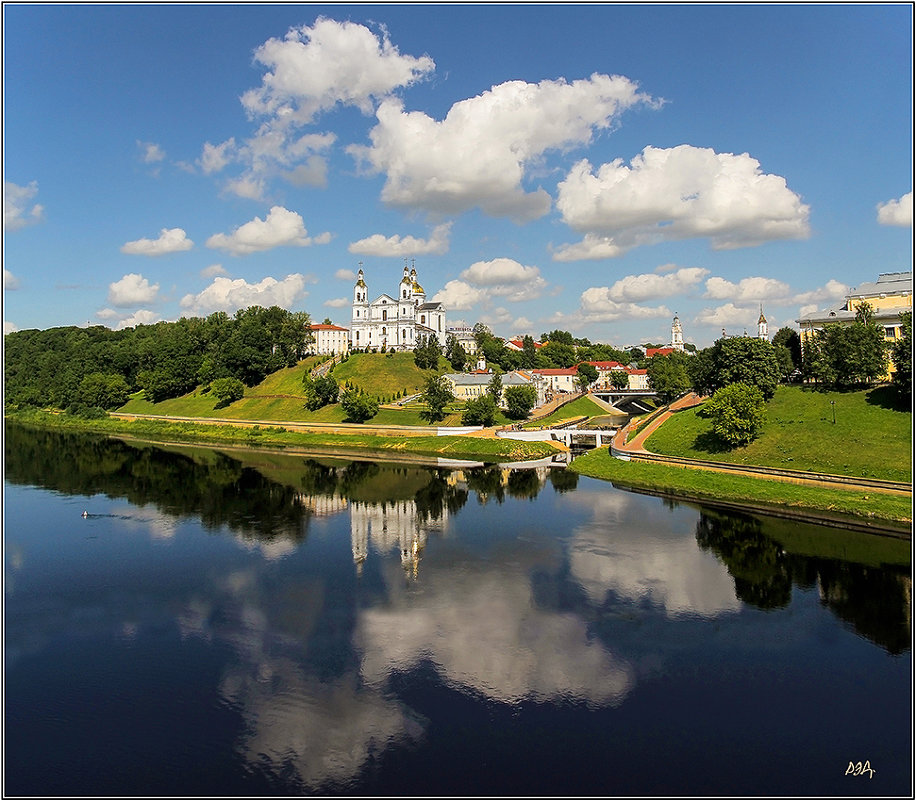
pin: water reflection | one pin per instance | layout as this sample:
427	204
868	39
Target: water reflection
330	582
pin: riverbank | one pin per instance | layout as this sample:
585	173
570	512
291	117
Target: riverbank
881	512
276	435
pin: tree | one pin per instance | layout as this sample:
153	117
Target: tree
480	412
495	389
668	375
738	412
320	391
358	406
559	354
902	354
529	353
426	353
104	390
436	395
620	379
455	352
587	374
520	401
745	360
848	355
789	338
226	391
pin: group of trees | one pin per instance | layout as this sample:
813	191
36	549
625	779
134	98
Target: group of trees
97	366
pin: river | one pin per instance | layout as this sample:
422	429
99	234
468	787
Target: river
184	621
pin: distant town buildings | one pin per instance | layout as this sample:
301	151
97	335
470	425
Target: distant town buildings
394	322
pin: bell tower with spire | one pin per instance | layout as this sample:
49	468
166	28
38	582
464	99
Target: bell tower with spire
677	336
762	325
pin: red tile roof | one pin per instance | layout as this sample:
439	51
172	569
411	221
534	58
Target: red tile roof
326	327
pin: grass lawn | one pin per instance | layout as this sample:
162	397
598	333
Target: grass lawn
708	485
385	374
872	436
457	447
580	407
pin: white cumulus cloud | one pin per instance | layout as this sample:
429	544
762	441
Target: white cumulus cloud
478	155
215	157
18	209
132	290
280	228
897	212
345	275
139	317
336	303
728	315
212	271
380	245
313	68
459	295
9	327
228	295
10	281
754	288
668	194
596	305
171	240
634	288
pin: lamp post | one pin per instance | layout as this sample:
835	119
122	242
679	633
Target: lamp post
833	406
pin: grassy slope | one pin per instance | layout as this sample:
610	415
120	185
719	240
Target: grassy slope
703	484
871	437
581	407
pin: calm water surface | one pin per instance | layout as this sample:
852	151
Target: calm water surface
232	623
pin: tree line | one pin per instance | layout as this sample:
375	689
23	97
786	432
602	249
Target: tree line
69	366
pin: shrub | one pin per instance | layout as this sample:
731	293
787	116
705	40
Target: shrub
358	406
226	391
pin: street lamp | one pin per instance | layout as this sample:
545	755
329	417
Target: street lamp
833	405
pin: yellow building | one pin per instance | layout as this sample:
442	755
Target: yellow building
889	297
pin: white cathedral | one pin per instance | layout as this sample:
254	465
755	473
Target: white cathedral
394	323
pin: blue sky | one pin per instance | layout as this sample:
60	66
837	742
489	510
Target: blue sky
595	168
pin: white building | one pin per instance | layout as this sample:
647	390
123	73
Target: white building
330	339
465	336
394	322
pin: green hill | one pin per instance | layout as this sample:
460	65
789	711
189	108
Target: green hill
280	396
864	433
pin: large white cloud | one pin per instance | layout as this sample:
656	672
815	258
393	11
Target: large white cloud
228	295
498	278
478	155
459	295
633	288
171	240
597	306
753	288
380	245
281	227
132	290
897	212
18	209
10	281
313	68
676	193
